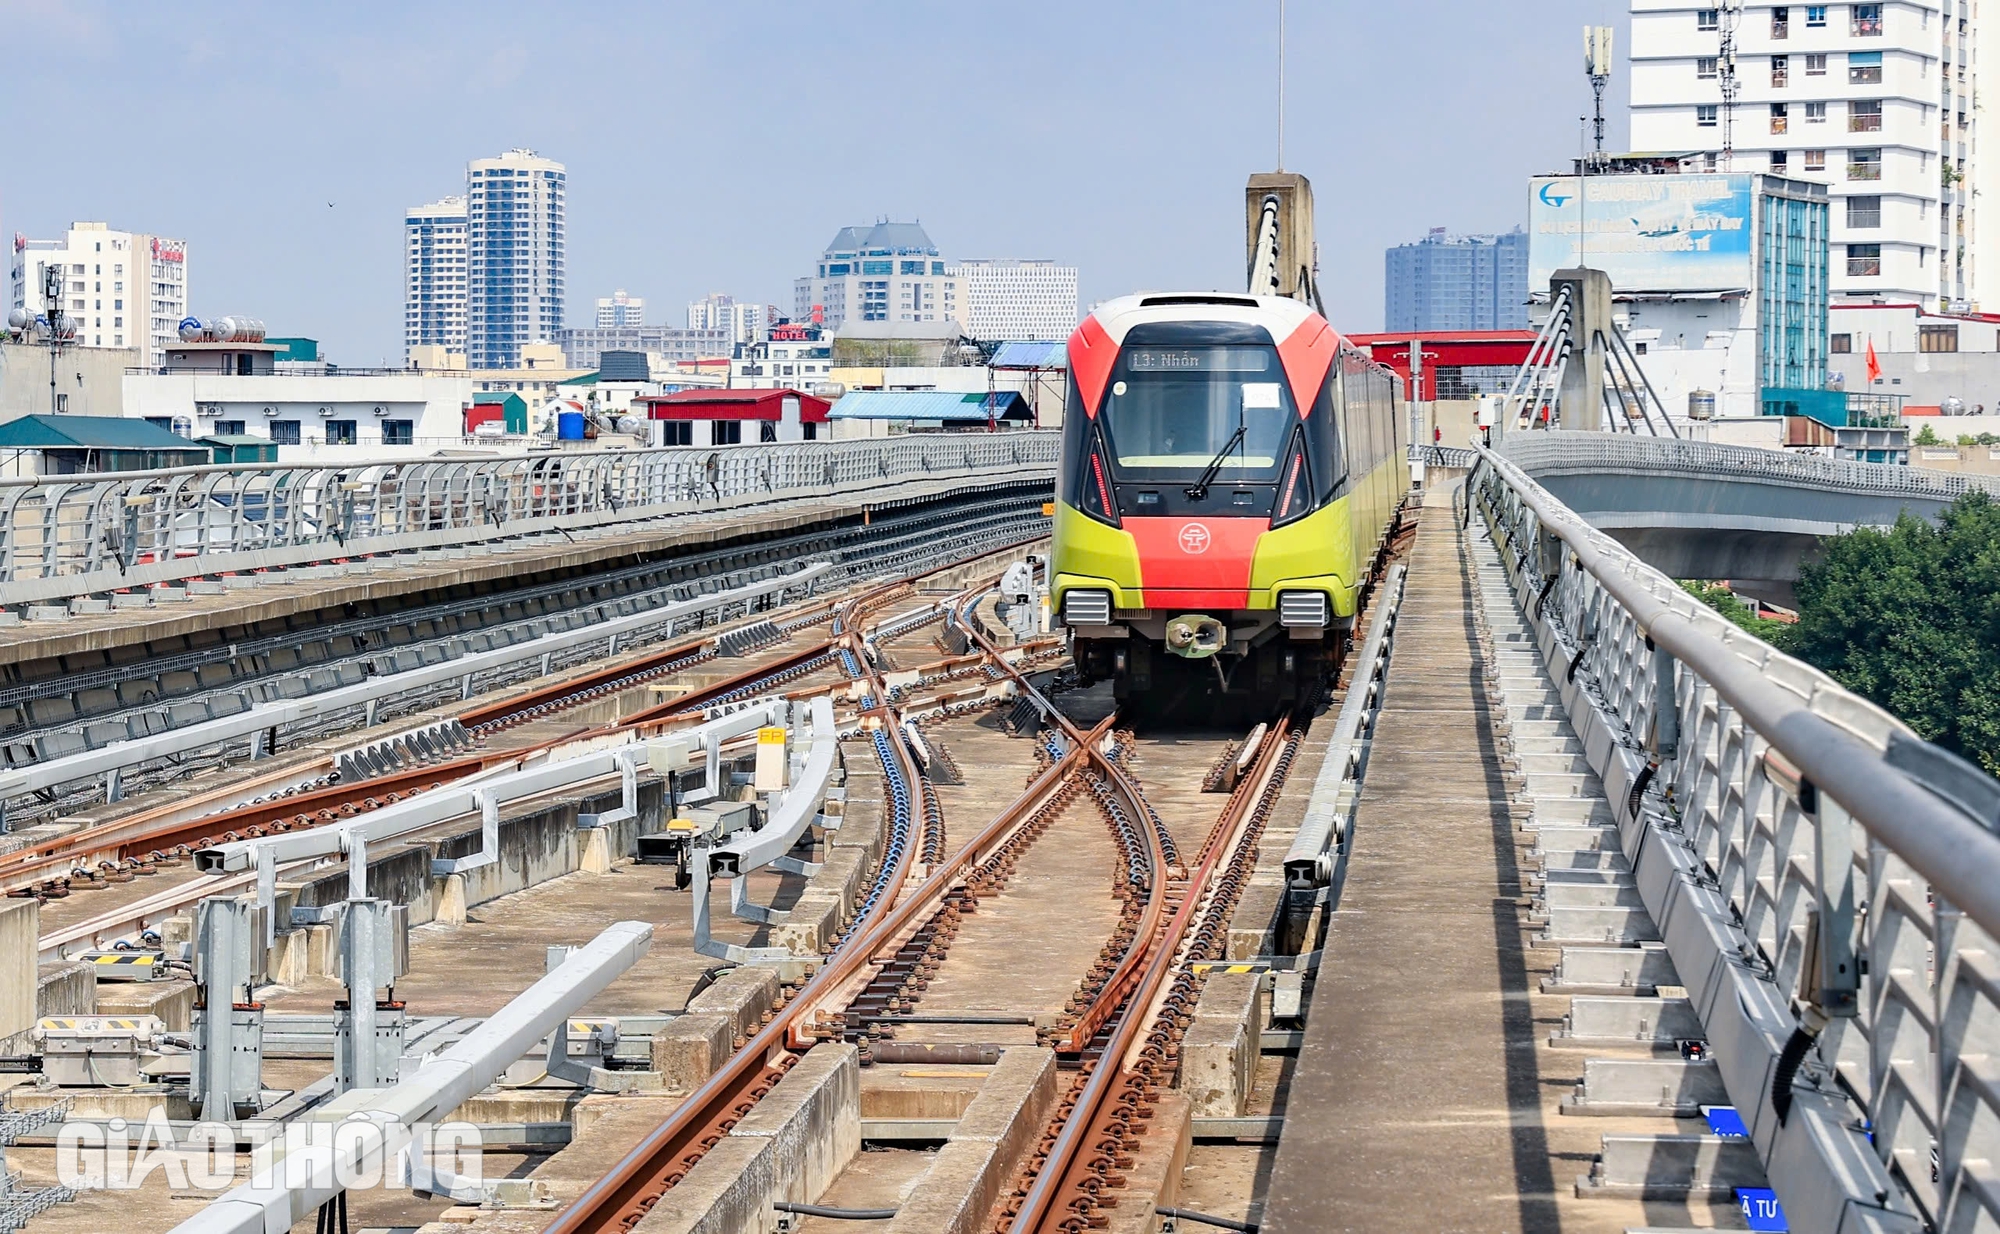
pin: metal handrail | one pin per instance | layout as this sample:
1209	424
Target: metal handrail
69	536
1557	452
1828	885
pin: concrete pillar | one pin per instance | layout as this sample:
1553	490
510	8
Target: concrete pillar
20	935
1590	328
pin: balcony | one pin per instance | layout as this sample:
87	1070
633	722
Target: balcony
1865	123
1781	124
1864	171
1866	27
1781	28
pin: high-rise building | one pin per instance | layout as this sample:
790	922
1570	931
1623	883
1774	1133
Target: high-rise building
1446	282
620	309
1002	298
515	255
1875	100
434	275
887	272
123	288
743	322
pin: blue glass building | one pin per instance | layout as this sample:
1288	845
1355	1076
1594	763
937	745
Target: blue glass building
1457	283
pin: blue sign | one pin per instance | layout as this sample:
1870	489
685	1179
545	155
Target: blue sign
1649	233
1723	1120
1760	1208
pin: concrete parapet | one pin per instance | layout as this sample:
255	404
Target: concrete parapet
688	1049
1220	1051
993	1137
741	996
171	1000
811	924
790	1147
1155	1177
20	932
65	987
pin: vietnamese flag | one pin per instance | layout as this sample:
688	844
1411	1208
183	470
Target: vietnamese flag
1874	365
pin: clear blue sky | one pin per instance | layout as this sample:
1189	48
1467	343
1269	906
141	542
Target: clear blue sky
718	146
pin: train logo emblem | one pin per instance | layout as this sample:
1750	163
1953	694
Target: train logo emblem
1194	538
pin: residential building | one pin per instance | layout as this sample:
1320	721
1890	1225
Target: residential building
1446	282
744	322
434	275
238	390
1005	298
515	207
887	272
540	369
89	380
668	344
734	417
123	288
1874	99
620	309
799	364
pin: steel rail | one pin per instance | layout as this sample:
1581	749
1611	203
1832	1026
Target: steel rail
627	1191
1059	1198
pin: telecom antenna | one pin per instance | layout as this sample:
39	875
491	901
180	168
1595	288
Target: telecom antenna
1597	58
1726	69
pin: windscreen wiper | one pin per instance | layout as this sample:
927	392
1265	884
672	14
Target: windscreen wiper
1198	491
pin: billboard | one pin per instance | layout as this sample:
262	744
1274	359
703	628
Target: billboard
1649	233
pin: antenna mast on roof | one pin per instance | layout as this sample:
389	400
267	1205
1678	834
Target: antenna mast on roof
1726	17
1597	57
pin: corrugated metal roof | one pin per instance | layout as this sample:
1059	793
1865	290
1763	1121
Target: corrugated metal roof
1032	355
928	405
88	433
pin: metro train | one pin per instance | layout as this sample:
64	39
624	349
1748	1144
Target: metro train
1230	469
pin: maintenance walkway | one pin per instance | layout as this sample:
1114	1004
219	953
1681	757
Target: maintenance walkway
1440	1049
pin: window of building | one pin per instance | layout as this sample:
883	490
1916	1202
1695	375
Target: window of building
1781	22
1816	66
1780	72
1815	16
1707	19
676	433
728	433
285	432
340	433
1704	115
1780	117
1864	67
1840	344
766	431
1864	164
398	432
1864	211
1937	338
1867	22
809	431
1864	116
1815	113
1864	261
1779	158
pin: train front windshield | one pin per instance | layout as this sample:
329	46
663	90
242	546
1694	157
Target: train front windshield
1172	412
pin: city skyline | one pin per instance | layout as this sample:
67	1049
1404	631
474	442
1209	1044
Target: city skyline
311	242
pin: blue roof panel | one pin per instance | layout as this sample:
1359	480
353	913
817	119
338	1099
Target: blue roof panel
939	405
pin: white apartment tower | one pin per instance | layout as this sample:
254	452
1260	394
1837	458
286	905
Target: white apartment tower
1876	100
887	272
515	207
745	322
1008	299
434	275
620	308
123	288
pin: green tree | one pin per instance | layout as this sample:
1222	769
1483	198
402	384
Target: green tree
1724	601
1910	618
1926	436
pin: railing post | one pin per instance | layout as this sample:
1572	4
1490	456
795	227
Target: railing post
1666	707
1839	992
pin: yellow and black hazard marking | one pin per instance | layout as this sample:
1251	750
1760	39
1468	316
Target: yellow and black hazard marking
126	965
93	1023
1211	967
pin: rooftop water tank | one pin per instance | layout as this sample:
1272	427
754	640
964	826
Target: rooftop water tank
1701	405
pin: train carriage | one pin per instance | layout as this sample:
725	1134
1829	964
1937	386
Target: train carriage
1230	467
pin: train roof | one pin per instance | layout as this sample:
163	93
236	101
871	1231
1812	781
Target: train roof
1281	315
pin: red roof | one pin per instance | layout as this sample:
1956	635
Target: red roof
733	405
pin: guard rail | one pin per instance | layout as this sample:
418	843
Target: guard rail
67	536
1826	883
